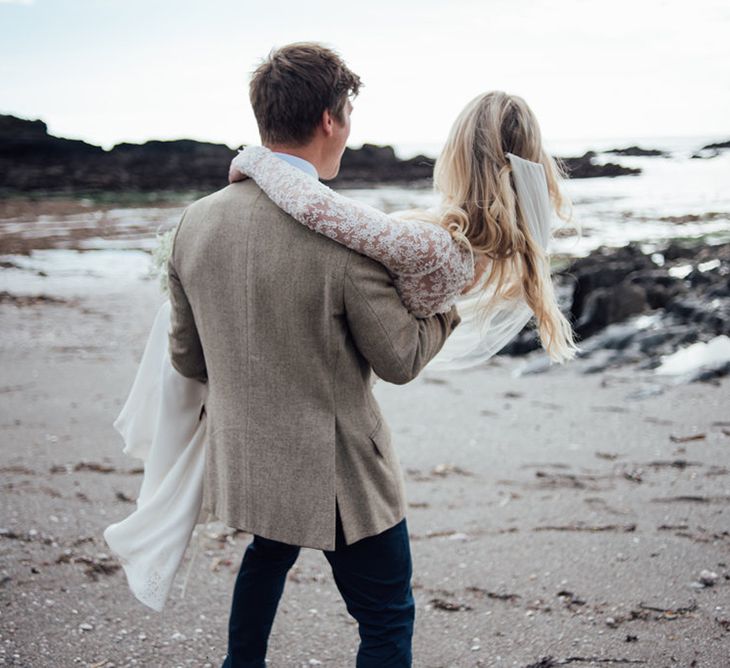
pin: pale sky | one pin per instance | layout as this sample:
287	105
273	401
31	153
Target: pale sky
130	70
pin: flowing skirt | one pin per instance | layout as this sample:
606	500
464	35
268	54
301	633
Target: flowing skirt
163	424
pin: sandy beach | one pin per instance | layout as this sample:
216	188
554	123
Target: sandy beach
558	517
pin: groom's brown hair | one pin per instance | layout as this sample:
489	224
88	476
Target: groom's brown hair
293	86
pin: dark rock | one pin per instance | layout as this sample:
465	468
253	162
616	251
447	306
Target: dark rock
612	287
31	160
660	287
584	167
717	145
686	309
525	342
651	339
720	290
608	305
676	250
637	151
712	150
590	274
181	164
630	253
710	372
653	277
697	278
379	164
649	363
608	289
597	367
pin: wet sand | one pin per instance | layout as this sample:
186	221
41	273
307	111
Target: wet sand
555	518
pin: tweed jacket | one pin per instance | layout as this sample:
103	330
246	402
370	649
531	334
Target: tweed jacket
287	326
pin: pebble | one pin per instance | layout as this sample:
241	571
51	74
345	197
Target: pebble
708	578
86	627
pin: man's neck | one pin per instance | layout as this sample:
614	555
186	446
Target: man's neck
300	163
309	153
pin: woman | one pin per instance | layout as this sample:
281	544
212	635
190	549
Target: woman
491	249
484	248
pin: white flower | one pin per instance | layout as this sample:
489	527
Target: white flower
160	256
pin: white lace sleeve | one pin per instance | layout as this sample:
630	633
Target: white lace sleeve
429	267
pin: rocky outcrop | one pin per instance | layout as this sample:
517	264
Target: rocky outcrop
637	151
182	164
379	164
717	145
684	289
712	150
585	167
31	160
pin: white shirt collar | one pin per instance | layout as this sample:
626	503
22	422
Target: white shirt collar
298	162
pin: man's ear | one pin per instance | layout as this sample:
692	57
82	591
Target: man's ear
327	123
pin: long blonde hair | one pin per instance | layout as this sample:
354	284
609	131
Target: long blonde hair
479	207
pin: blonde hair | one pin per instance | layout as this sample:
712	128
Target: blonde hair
480	208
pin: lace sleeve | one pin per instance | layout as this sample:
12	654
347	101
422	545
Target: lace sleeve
430	268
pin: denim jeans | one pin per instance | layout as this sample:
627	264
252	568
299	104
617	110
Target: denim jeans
373	576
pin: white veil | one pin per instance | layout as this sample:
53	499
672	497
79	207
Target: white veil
478	338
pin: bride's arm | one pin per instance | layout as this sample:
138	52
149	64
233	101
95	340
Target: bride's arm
431	269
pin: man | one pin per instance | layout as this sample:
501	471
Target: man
287	327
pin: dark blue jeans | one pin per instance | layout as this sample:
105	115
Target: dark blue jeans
373	576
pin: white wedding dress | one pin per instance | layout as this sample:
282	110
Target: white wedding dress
163	419
161	424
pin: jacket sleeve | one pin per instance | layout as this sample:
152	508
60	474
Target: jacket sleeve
186	351
396	343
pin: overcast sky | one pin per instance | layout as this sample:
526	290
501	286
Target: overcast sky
130	70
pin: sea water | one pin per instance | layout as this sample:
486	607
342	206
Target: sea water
675	197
